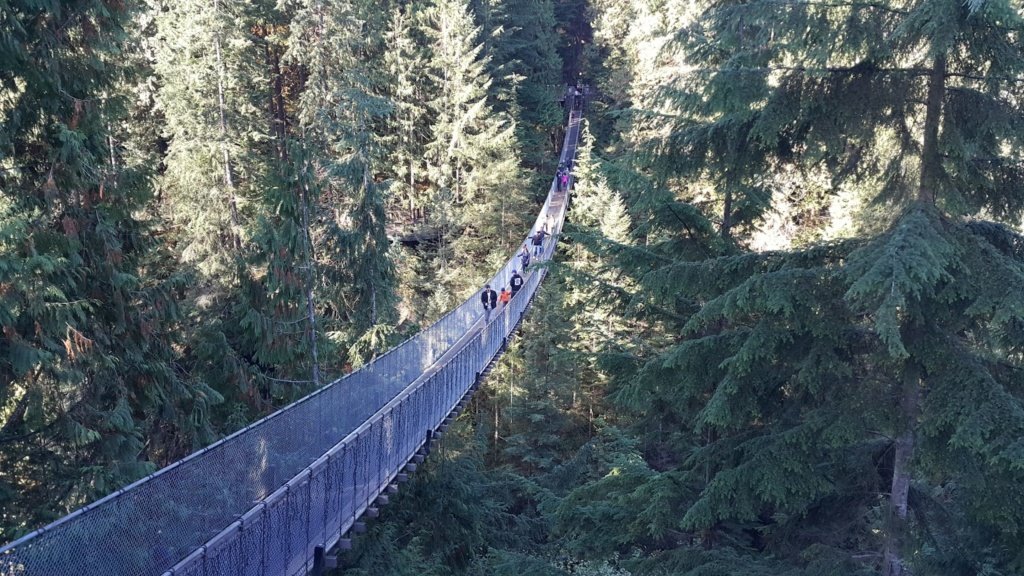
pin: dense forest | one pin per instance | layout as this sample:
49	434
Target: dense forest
783	335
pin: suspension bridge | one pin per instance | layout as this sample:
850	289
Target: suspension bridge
276	497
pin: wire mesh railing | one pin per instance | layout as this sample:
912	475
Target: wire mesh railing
259	501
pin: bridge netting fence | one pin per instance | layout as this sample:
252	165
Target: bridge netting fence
260	500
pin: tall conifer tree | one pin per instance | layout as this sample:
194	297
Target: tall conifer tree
90	397
241	208
472	156
527	69
207	60
864	394
458	90
405	127
339	110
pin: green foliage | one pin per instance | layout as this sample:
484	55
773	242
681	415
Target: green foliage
193	194
781	369
453	159
618	490
453	512
736	412
230	205
337	113
209	97
729	561
776	390
898	270
90	399
505	563
527	70
404	134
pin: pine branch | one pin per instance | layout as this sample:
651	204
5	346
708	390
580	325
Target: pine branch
867	5
283	380
25	436
872	6
856	69
689	231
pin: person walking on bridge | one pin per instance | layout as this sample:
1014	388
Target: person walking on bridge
538	242
504	297
489	298
516	282
524	257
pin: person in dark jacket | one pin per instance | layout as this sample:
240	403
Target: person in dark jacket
489	298
538	242
515	282
524	257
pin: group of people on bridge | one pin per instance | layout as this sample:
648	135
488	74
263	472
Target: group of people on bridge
575	96
564	172
489	298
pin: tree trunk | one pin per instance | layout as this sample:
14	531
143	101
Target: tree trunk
111	145
896	532
307	246
228	179
931	164
497	422
373	305
367	183
727	214
412	193
16	418
910	397
279	120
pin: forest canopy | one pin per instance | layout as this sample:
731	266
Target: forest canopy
783	334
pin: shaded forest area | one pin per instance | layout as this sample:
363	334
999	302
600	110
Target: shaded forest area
784	334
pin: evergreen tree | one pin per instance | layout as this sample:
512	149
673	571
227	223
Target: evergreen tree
575	30
596	291
208	126
405	132
453	512
522	48
207	62
838	394
479	207
242	206
90	397
338	111
458	90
